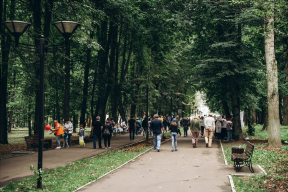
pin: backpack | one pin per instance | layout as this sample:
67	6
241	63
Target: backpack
138	124
106	130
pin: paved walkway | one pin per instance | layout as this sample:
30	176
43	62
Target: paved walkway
16	168
189	169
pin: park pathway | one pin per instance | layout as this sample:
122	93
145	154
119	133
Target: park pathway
189	169
17	168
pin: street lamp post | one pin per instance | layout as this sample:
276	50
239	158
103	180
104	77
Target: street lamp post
17	28
66	28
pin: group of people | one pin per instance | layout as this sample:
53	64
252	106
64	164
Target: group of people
199	127
98	131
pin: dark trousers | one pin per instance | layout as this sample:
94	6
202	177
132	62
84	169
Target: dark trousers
107	138
69	139
202	130
132	133
185	132
178	131
97	136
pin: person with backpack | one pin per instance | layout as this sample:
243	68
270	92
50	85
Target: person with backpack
132	127
185	125
195	131
165	123
138	126
229	126
107	133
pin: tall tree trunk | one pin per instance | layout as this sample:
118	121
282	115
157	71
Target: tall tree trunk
252	116
85	88
226	108
285	110
5	47
285	96
265	118
236	112
272	85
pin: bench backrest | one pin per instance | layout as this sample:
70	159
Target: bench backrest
249	149
32	138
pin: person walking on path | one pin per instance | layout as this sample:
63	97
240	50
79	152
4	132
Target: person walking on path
173	128
185	125
138	126
107	133
195	131
58	130
229	130
178	124
68	126
156	125
202	125
97	129
223	127
132	127
81	134
209	130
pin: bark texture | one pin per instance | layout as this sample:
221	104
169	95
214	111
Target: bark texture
272	86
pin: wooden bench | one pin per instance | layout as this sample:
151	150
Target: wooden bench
244	159
33	142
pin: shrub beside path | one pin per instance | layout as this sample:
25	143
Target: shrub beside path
188	169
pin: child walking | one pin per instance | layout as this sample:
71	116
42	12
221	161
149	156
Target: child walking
81	134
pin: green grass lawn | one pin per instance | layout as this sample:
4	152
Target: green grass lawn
259	134
74	175
17	135
272	160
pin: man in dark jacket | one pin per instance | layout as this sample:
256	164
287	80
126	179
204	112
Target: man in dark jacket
156	125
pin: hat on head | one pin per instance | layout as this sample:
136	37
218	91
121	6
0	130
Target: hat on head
174	119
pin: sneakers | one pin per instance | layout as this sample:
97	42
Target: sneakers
58	148
105	147
206	144
176	150
158	150
109	147
172	150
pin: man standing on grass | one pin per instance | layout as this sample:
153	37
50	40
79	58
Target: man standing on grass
156	125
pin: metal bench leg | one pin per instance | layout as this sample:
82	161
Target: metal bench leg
250	167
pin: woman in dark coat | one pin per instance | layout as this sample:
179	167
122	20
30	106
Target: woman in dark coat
107	133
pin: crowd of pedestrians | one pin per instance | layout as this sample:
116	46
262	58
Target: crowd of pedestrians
203	126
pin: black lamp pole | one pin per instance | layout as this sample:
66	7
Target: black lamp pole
41	111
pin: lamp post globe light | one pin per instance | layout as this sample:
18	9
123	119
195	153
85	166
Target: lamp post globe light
17	28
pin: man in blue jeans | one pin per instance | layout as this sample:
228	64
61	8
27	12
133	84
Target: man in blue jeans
156	125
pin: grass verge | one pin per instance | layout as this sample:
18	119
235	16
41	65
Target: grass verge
74	175
263	135
274	161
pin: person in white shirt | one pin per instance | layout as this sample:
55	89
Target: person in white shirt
68	127
209	123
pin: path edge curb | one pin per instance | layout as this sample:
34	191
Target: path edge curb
223	153
117	167
231	183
